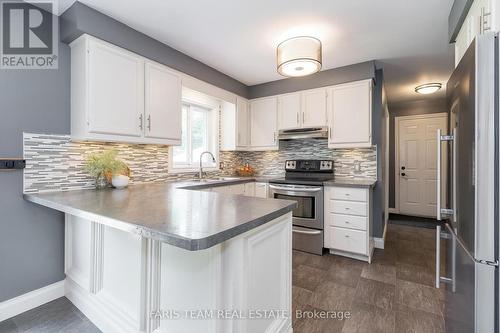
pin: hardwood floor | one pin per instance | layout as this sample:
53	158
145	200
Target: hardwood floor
393	294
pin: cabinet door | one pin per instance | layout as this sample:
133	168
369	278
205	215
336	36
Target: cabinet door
289	111
242	122
238	189
249	189
261	190
263	119
314	108
115	91
163	103
350	115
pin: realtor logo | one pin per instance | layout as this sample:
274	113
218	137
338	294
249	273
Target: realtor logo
29	35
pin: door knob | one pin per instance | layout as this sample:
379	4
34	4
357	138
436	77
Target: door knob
402	168
403	174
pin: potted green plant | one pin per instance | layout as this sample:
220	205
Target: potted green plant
104	167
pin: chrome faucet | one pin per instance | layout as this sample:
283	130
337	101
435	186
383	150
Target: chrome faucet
201	162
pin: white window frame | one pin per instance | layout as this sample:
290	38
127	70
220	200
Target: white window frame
191	97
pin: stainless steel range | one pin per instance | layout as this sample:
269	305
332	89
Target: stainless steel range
303	182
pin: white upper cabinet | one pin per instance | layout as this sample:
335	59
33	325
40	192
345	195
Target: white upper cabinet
350	109
483	16
242	120
235	125
115	90
263	123
119	96
314	108
302	109
163	101
290	111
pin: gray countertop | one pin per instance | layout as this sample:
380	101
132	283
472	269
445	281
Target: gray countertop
173	213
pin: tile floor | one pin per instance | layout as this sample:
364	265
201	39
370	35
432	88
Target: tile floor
58	316
393	294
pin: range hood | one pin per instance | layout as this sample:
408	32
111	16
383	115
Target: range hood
304	133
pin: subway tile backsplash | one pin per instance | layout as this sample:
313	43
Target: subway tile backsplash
54	162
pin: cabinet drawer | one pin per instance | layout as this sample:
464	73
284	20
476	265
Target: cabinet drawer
349	193
348	207
348	221
348	240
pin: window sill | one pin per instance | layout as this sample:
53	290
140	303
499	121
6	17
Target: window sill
191	170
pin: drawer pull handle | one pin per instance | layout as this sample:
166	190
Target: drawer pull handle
347	222
347	194
346	236
347	208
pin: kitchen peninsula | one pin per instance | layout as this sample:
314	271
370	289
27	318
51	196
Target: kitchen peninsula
153	257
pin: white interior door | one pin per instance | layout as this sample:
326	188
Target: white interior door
417	167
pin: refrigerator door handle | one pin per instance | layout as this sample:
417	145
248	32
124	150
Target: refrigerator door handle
438	200
448	280
442	211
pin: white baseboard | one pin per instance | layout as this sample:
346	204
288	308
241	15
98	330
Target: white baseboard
393	211
106	318
31	300
378	243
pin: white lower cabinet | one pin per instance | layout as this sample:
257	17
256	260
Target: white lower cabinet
250	189
238	189
348	222
247	189
261	190
124	282
349	240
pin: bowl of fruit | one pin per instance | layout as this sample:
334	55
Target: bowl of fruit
245	171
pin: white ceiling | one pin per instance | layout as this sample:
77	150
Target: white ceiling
239	37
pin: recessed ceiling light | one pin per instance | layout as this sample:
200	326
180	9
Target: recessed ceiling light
428	88
299	56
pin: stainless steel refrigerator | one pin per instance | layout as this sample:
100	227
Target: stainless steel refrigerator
467	244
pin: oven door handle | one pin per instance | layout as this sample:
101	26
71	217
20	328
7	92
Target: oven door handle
315	232
296	188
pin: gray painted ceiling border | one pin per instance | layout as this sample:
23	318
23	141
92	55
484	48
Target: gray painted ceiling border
458	13
80	19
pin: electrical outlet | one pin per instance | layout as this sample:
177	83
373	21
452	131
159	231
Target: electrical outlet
357	166
12	164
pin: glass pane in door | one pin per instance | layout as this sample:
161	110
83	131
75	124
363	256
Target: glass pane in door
306	205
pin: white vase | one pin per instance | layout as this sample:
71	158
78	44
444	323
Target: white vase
119	181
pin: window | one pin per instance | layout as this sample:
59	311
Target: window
199	134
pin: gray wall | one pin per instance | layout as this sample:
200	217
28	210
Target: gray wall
80	19
31	237
407	109
458	13
361	71
378	132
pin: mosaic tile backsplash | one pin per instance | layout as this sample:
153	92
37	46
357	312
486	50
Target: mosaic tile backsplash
54	162
267	163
